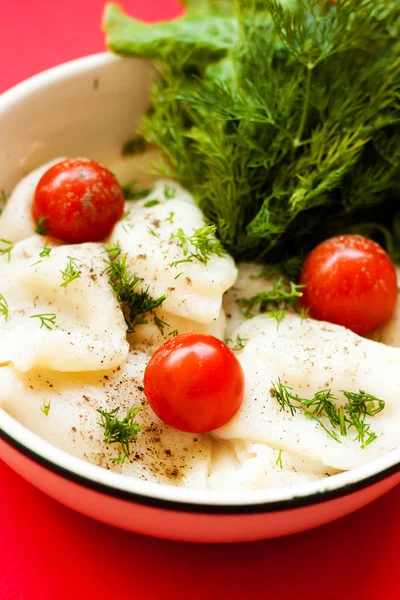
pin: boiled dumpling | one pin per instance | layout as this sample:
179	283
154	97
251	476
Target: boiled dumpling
250	281
155	335
244	465
312	356
159	453
390	332
194	290
49	322
16	220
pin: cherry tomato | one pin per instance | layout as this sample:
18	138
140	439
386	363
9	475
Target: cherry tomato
78	200
194	383
351	281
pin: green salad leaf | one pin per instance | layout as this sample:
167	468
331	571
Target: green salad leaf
281	117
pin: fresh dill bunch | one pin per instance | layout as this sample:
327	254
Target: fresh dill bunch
201	245
120	431
284	294
71	272
281	117
340	417
136	302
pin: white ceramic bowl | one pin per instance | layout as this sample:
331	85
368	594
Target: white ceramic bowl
90	107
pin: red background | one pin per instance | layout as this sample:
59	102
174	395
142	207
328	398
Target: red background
47	552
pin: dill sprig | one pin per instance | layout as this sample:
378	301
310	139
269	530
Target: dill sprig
47	320
4	310
341	418
201	245
282	118
238	344
46	250
45	408
284	294
279	460
120	431
71	272
7	250
41	228
137	304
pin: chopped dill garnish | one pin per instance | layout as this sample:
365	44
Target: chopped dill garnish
151	203
45	252
136	303
4	311
201	245
278	315
284	294
340	417
304	313
170	218
47	320
239	343
120	431
173	333
7	249
41	228
169	192
279	460
152	232
179	274
125	215
113	250
70	273
131	192
45	408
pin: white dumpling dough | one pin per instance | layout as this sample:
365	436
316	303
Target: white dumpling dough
16	220
89	331
194	290
311	356
152	335
159	453
249	283
243	465
390	332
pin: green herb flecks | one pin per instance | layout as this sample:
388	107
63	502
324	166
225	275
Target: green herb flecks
41	228
7	249
236	345
284	294
338	419
71	272
201	245
45	408
279	460
170	218
136	302
132	192
120	431
151	203
4	310
152	232
47	320
281	117
169	192
45	252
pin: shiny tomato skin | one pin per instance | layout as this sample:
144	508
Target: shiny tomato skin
350	281
194	383
80	200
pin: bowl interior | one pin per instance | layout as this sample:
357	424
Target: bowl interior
90	107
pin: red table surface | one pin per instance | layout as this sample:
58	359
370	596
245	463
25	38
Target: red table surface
48	552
